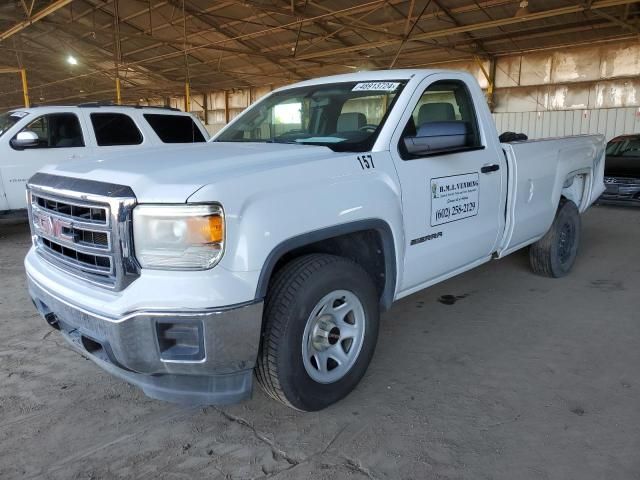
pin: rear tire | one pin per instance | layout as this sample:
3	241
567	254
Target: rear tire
555	253
320	331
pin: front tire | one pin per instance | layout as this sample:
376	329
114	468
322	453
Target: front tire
321	327
555	253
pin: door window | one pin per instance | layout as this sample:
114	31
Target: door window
57	130
113	129
445	106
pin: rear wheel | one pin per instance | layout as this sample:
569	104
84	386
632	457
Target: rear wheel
555	253
321	327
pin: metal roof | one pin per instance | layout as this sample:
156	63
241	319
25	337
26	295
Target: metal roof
225	44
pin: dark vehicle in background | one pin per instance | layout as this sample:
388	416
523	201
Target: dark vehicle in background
622	171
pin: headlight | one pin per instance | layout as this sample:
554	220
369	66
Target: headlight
178	237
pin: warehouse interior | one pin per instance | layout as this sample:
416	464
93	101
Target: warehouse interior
493	373
548	67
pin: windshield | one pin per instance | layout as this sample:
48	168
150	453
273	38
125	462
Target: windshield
9	119
341	116
624	147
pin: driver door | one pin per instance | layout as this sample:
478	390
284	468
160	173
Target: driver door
453	200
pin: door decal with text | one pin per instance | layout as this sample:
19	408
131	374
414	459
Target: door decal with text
454	198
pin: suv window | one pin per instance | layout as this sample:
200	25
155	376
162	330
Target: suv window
174	128
115	129
442	102
57	130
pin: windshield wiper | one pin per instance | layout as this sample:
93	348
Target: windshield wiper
273	140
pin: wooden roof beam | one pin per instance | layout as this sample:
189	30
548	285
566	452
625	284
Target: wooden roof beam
578	8
617	21
46	11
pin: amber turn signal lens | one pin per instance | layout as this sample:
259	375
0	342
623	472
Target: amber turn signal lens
208	229
215	229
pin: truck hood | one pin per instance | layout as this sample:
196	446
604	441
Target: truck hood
171	174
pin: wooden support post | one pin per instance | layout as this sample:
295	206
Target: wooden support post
118	94
25	87
490	76
117	50
187	97
226	106
205	105
492	82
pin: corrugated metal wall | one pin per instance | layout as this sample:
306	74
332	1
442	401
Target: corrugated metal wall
592	89
608	121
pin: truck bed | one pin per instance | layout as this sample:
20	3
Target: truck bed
538	173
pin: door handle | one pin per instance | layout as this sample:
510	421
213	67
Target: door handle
490	168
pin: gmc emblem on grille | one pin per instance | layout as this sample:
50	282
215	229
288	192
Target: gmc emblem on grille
54	227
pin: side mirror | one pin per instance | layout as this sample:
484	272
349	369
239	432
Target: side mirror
433	137
24	140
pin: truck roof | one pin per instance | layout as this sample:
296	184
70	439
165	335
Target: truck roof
372	75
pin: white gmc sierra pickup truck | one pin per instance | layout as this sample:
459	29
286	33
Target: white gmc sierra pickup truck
275	246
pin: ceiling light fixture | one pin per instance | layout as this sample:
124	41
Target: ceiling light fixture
71	60
523	9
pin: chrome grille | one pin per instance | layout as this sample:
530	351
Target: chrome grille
85	234
97	264
93	238
84	213
75	236
621	180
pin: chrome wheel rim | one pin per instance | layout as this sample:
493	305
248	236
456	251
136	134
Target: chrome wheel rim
333	336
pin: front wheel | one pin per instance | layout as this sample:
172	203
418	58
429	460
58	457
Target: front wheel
321	327
555	253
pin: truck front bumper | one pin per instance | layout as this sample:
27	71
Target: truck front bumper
188	356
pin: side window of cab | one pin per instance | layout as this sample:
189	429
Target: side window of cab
443	121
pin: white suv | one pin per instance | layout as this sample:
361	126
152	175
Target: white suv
31	138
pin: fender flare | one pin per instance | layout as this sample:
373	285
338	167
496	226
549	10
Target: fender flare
380	226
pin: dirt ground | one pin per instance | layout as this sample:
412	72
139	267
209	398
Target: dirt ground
518	377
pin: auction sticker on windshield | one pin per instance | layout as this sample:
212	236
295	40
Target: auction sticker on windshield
376	87
454	198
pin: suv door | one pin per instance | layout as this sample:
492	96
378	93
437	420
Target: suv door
61	138
452	198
